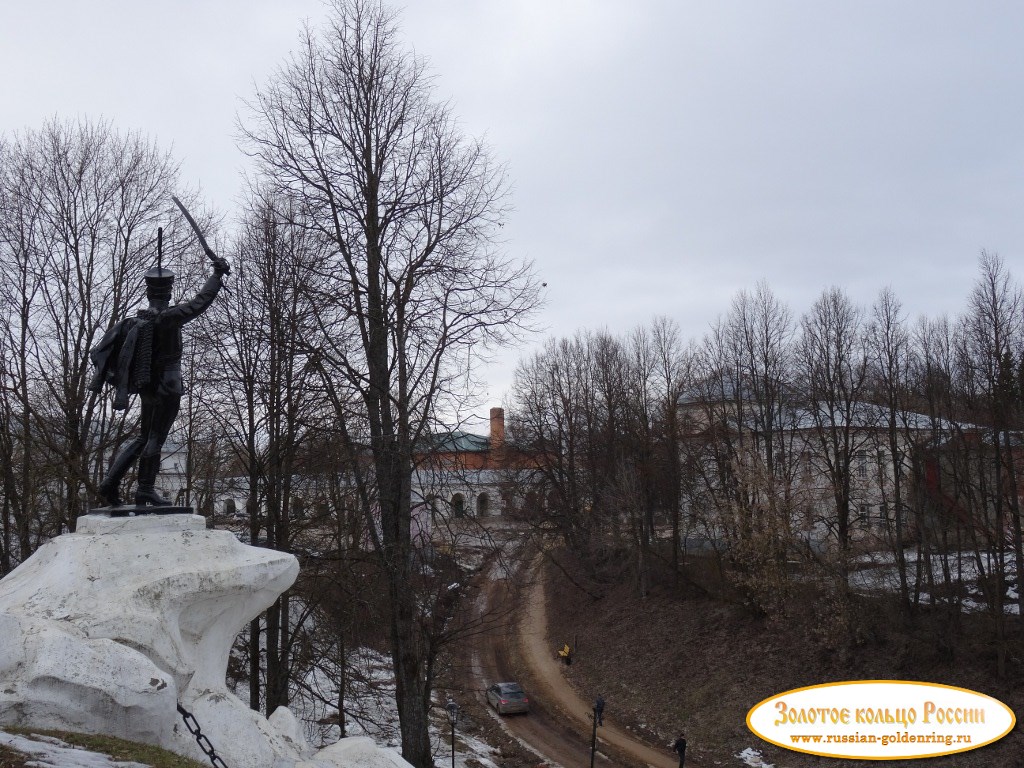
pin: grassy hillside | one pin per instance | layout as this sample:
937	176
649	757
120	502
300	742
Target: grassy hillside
688	657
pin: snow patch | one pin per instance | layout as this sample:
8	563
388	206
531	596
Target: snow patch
370	711
48	752
961	569
753	758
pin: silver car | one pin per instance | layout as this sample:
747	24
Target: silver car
507	698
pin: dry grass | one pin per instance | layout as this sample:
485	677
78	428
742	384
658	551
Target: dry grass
681	659
118	749
11	759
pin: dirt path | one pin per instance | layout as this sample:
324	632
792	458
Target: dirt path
515	646
495	658
536	651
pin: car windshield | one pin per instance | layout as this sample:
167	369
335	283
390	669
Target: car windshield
512	691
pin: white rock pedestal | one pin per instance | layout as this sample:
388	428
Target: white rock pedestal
106	629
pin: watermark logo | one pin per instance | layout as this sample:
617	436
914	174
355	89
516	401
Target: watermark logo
881	719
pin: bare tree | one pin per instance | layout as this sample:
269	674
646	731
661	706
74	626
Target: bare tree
945	480
991	342
600	414
569	407
994	330
741	452
80	204
413	287
833	365
889	346
259	388
673	369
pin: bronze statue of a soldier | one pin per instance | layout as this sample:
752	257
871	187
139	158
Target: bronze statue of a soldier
142	355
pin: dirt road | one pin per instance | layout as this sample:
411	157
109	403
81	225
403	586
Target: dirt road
559	727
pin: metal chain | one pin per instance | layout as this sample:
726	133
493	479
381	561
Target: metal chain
204	743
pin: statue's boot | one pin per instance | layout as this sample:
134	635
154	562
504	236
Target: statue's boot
145	494
110	487
110	491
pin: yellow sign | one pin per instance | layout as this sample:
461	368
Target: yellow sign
881	719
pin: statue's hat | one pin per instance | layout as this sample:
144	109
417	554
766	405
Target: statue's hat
158	283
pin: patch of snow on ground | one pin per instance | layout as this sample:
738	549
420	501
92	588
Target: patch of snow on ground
370	710
961	567
474	748
752	757
47	752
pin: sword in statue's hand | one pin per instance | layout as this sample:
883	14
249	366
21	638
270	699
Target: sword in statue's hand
199	236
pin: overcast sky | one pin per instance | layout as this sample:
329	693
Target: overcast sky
663	154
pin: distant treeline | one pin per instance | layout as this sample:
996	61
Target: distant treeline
795	450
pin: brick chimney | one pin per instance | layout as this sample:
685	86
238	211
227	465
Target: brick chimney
497	428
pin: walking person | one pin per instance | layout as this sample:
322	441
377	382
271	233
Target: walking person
599	709
679	747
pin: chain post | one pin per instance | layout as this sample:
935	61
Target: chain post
204	743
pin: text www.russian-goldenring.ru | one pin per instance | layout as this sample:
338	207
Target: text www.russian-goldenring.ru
885	740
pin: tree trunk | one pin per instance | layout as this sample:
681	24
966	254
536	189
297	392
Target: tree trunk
254	665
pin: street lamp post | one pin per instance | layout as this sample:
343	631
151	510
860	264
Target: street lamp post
593	737
453	716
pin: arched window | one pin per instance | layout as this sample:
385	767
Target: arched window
482	505
458	505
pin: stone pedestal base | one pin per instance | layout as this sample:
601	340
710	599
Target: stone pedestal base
97	523
108	629
134	510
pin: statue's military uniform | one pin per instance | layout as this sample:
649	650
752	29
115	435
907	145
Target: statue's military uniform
167	342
